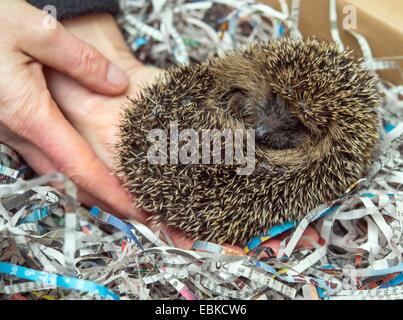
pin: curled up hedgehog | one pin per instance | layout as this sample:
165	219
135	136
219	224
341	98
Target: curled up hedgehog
313	111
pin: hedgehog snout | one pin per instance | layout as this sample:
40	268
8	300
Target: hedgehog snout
262	132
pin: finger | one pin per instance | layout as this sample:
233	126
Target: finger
233	250
273	244
183	241
42	166
32	155
59	49
179	238
310	233
66	149
97	119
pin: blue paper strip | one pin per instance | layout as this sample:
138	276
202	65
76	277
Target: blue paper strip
396	281
272	232
37	215
57	280
115	222
388	127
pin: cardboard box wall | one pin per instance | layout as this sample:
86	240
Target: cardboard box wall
379	21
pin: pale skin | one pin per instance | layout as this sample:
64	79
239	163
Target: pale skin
30	120
64	117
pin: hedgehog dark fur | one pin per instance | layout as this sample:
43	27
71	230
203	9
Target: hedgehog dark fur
329	92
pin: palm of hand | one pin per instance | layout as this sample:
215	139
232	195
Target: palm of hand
94	115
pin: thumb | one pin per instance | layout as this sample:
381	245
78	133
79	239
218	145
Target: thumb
59	49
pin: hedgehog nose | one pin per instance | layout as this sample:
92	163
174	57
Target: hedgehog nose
262	131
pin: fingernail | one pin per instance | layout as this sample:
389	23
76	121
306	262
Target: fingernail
116	76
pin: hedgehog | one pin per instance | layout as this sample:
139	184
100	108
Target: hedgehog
313	109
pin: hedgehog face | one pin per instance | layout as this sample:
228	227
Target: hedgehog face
275	125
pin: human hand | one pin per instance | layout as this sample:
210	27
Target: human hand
30	120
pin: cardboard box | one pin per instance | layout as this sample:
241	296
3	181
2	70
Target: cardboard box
379	21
